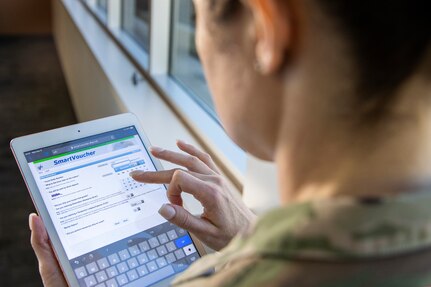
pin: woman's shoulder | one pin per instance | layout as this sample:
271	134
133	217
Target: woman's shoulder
251	271
402	271
323	244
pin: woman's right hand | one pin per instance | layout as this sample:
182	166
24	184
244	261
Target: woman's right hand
224	211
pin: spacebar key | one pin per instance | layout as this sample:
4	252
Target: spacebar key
152	278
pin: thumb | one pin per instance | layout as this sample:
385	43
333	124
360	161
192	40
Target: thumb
184	219
39	240
48	265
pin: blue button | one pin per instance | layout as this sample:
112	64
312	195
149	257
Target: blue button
183	241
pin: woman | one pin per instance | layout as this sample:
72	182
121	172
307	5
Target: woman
337	94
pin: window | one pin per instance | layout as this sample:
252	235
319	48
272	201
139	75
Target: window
172	64
185	66
136	21
103	5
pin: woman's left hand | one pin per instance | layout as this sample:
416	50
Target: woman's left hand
50	271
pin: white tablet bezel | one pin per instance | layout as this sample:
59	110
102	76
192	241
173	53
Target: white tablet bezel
62	135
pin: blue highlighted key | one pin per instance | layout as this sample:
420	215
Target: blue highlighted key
183	241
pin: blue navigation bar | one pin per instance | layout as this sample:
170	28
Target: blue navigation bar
129	165
47	152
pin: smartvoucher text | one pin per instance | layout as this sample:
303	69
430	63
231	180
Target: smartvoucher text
74	157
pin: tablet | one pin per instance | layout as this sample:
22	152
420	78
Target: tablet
104	227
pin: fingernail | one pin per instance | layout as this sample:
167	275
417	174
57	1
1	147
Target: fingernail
156	149
29	220
181	142
167	211
136	173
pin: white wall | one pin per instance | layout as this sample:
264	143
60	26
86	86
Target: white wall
91	91
261	187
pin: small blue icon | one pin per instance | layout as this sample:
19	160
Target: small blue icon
183	241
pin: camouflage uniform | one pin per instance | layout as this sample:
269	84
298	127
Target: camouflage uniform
330	243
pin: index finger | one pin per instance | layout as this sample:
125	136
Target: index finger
204	157
157	177
188	161
163	176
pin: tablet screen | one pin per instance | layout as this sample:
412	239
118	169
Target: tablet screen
107	223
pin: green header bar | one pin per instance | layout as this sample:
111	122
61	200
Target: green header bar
80	150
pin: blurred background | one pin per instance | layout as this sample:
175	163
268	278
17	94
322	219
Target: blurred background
68	61
32	88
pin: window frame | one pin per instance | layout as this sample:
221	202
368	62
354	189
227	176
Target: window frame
178	78
102	7
154	66
143	23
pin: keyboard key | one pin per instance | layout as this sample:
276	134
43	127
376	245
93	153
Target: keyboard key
152	266
152	254
172	234
133	263
132	275
103	263
142	258
180	266
161	262
101	285
162	251
101	276
122	267
181	231
183	241
92	268
154	277
179	254
163	238
191	259
144	246
113	259
111	283
153	242
90	281
112	271
171	247
124	254
122	279
134	250
142	270
189	249
80	272
170	258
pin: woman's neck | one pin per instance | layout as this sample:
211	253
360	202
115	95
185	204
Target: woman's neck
321	155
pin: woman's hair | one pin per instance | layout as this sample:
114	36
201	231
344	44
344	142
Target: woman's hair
388	38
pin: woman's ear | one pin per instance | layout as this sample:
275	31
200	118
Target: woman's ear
273	30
